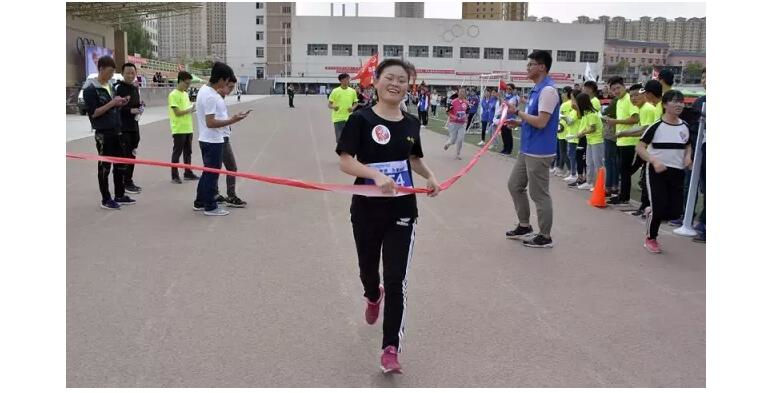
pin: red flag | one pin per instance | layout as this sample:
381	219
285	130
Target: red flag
502	85
366	73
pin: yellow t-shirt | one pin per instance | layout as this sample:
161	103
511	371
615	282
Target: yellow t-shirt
626	109
344	99
648	115
564	110
596	104
574	128
659	110
593	119
180	124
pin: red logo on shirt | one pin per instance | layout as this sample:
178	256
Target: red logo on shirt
380	134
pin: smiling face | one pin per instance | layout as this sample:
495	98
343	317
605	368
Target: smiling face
392	84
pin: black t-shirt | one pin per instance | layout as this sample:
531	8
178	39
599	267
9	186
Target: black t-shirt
128	119
387	146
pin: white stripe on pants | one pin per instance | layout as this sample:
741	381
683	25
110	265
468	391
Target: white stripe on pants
401	332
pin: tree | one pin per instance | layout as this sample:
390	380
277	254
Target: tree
693	71
201	64
620	67
138	40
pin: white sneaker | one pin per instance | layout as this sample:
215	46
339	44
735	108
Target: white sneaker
217	212
585	186
482	143
570	178
562	173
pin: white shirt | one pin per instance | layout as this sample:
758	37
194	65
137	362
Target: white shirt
209	102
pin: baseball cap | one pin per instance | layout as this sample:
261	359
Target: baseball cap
654	87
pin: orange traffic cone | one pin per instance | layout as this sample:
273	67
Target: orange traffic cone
598	197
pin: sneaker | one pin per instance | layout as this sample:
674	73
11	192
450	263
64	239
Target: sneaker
110	205
570	178
124	200
700	238
652	246
585	186
191	176
216	212
482	143
372	308
459	158
539	241
562	173
389	363
235	202
574	184
617	202
197	207
447	145
133	189
519	232
700	227
638	213
177	181
676	223
220	199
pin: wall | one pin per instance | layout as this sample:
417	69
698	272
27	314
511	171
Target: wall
240	38
102	35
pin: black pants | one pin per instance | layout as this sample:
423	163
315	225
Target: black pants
212	155
291	101
469	121
229	161
423	117
484	127
392	239
639	163
626	155
434	110
130	140
181	143
666	196
508	140
580	156
110	144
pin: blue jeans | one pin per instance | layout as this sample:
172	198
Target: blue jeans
571	154
610	164
212	155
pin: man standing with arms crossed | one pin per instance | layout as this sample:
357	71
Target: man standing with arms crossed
539	123
342	101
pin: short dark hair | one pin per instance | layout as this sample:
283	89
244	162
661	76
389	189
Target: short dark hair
541	57
128	65
584	103
512	86
591	85
637	86
654	87
184	76
672	95
343	76
566	91
220	71
666	75
106	61
408	67
616	80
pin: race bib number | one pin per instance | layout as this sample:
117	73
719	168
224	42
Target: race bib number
397	170
460	115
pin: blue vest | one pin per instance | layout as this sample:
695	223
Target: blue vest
539	141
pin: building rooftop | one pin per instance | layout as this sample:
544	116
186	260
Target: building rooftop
636	43
686	53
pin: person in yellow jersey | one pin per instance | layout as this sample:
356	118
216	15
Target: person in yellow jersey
627	116
592	129
181	124
666	78
562	160
342	101
572	121
591	89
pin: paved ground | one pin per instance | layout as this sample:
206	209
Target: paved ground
161	296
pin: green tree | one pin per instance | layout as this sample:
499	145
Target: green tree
693	71
138	40
620	67
201	64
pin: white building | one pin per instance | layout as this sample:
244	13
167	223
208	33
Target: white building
444	51
245	39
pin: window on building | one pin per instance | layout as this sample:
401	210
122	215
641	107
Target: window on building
566	55
285	40
643	60
651	50
418	51
260	70
650	61
442	51
259	19
493	53
633	59
643	50
258	5
341	49
288	57
260	52
589	57
544	50
469	52
517	54
260	35
286	9
367	50
659	51
286	25
393	50
317	49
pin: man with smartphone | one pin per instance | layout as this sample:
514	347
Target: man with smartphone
229	160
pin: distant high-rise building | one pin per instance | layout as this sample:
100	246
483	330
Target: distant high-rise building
681	34
151	26
409	10
216	30
515	11
184	37
278	36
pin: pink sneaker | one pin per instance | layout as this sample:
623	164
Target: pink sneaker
372	308
652	246
389	363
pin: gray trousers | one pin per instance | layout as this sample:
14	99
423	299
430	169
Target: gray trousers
229	161
532	171
338	127
594	160
457	132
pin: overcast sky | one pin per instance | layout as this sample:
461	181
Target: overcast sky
564	12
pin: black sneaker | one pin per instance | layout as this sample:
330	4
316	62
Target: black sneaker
519	232
190	177
177	181
133	189
574	183
235	202
539	241
109	205
220	199
638	213
700	238
197	207
124	200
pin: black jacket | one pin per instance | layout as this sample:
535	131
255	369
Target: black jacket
128	119
96	97
691	115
